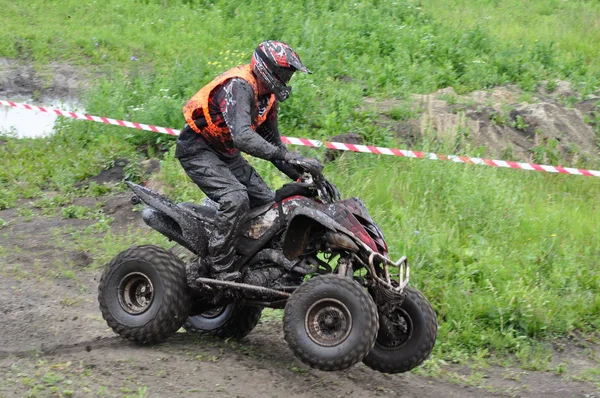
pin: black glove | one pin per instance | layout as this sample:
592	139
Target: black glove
293	157
306	163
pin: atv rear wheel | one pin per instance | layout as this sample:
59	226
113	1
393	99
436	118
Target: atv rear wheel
330	322
143	294
227	321
406	337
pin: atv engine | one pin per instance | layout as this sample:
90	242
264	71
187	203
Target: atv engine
271	276
265	277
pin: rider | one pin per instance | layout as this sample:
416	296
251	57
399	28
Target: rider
236	112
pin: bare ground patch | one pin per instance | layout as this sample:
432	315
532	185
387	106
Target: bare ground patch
21	78
501	123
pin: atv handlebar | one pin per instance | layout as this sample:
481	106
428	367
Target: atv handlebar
327	191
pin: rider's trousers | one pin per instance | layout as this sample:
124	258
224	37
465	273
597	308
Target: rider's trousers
234	184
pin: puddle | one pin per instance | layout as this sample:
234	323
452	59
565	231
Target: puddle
32	124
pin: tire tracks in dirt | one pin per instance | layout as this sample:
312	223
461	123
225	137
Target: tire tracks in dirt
61	349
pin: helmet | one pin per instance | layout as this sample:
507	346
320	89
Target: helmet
274	63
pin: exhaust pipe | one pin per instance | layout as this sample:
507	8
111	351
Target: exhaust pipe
341	241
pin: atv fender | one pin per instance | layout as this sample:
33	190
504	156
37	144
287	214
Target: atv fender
181	214
302	222
183	224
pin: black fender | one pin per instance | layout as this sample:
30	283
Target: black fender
184	224
181	214
164	224
302	222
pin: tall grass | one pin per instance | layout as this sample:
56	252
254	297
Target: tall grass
508	258
571	28
505	255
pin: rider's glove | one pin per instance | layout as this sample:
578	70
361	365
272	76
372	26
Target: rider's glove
297	159
293	157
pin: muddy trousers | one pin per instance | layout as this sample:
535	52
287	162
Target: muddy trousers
236	187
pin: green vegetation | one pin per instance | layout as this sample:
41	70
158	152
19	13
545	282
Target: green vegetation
64	379
557	31
508	258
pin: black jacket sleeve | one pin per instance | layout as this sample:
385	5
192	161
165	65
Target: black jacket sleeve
237	112
269	130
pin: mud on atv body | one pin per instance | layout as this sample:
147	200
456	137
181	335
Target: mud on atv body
322	259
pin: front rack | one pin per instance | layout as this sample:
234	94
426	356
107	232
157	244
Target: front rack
403	271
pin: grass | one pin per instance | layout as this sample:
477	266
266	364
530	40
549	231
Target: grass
35	378
493	249
26	173
103	244
508	258
571	29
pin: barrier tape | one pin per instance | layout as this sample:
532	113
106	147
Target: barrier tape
340	146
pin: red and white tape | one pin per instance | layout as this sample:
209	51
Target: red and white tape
85	116
340	146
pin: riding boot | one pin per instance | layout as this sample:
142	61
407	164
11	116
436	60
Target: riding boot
233	208
213	272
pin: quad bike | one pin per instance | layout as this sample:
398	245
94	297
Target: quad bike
320	258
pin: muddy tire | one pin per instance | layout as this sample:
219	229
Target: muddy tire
401	348
143	294
330	322
228	321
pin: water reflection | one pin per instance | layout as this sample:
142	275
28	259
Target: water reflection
32	124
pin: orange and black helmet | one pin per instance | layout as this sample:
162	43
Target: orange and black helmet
274	63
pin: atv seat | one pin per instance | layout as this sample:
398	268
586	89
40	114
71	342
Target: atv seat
203	211
209	208
292	189
211	212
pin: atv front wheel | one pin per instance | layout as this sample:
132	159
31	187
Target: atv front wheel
227	321
406	335
330	322
143	294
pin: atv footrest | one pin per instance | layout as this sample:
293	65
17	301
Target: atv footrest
243	286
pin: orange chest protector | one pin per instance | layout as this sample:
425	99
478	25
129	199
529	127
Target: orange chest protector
200	101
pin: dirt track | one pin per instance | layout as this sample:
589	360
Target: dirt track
53	341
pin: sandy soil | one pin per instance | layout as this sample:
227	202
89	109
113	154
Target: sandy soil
54	342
